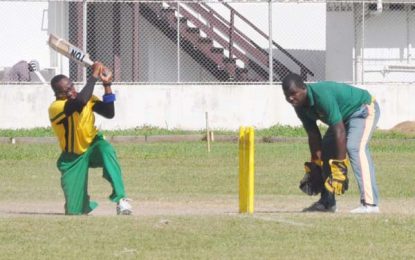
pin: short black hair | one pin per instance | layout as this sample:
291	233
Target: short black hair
55	80
293	78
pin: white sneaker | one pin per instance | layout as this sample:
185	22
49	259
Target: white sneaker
365	209
124	207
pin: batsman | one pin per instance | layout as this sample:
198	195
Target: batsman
83	146
351	114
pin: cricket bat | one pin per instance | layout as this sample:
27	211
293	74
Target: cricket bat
70	51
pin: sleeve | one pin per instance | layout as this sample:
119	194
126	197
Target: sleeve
56	111
86	93
104	109
329	110
82	99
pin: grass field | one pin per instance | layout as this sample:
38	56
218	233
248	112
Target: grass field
186	207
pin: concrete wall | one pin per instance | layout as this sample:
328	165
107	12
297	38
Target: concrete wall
184	107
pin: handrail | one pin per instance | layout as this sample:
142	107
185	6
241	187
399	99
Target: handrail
267	37
243	40
253	52
223	20
224	27
231	24
212	34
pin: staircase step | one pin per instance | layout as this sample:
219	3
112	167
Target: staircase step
205	40
217	50
229	60
193	30
168	10
231	70
183	19
241	70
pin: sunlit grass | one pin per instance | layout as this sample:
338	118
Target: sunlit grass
178	171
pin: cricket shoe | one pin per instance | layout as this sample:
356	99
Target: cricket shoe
365	209
124	207
320	207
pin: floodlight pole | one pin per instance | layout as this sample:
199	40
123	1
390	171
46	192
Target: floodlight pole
271	67
84	34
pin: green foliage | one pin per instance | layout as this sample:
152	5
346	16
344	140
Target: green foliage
274	131
391	134
32	132
283	131
147	131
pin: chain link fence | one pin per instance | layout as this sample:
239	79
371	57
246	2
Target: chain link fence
214	41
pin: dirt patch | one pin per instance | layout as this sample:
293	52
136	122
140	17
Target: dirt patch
406	127
265	205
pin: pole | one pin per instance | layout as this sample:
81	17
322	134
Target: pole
408	34
271	65
242	173
251	169
246	169
84	30
363	44
178	42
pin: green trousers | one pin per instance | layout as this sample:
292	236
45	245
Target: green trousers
74	180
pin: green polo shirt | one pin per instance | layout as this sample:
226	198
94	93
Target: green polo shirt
331	102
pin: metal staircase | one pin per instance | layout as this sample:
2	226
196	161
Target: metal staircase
216	43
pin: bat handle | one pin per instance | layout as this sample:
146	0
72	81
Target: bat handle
88	61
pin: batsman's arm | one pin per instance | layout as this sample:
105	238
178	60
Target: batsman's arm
106	107
85	94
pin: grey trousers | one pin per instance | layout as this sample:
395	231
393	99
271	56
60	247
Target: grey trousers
359	130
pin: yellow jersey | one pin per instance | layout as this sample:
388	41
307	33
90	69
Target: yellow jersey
76	132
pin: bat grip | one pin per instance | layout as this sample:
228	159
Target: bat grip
88	61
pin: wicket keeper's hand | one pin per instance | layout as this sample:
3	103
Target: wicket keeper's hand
337	182
312	182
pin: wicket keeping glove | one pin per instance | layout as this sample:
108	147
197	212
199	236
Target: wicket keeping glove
312	182
337	182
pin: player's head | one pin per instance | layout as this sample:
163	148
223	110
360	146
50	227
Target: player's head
295	90
63	87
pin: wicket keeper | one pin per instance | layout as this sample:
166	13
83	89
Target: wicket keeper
351	115
83	147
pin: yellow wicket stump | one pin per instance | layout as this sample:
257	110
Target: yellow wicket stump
246	169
